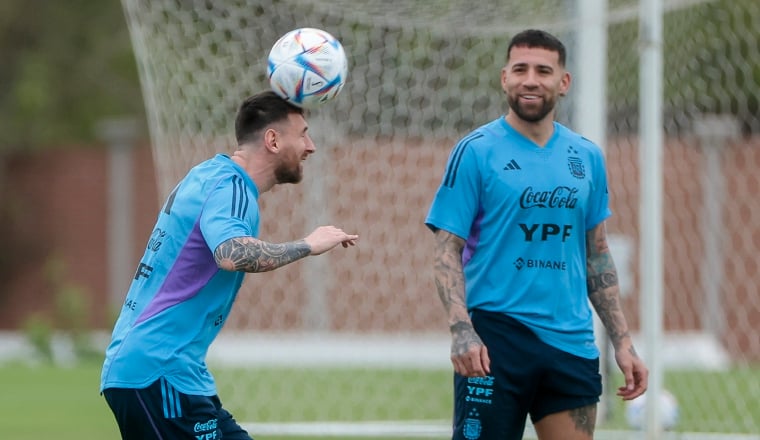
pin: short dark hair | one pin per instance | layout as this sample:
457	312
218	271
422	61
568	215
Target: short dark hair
259	111
540	39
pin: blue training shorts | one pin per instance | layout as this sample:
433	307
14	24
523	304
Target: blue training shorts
528	377
160	412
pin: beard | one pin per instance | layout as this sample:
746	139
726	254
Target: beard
285	173
530	115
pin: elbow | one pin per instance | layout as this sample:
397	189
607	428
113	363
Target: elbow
225	264
222	258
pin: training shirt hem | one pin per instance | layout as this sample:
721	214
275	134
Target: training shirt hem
146	384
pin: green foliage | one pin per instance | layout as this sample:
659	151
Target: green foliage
70	318
66	65
73	314
39	333
702	46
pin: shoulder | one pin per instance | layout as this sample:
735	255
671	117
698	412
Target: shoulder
218	173
483	136
578	141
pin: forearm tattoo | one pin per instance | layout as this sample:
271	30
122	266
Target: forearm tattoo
449	278
252	255
603	288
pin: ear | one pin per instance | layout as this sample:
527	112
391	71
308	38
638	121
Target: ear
270	140
564	84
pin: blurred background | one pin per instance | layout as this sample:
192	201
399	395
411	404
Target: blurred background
106	104
67	80
71	114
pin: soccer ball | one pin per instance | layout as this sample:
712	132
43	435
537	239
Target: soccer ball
307	67
635	411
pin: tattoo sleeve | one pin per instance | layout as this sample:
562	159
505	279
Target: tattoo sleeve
247	254
603	289
449	277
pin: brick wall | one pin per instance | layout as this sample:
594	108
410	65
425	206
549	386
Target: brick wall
54	206
54	209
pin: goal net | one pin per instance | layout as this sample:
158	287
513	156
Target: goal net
359	336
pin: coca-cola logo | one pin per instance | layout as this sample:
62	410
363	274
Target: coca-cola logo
206	426
559	197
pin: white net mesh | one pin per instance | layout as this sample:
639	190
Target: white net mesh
421	75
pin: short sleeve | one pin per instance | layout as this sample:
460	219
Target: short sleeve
456	201
230	211
598	207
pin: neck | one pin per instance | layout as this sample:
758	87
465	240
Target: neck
260	171
539	132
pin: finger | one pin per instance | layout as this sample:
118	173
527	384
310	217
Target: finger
475	364
629	394
485	360
624	394
458	367
463	364
641	383
643	378
629	381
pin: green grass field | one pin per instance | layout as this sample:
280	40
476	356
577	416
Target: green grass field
64	403
49	402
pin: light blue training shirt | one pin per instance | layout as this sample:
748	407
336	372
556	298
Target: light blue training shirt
179	299
524	212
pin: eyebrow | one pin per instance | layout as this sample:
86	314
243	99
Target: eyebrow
526	64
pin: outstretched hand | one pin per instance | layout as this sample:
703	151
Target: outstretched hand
635	373
325	238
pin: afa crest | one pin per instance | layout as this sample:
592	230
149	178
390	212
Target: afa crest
577	170
472	429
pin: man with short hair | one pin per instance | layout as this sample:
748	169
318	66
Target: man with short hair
205	240
521	248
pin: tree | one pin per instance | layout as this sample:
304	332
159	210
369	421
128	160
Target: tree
66	65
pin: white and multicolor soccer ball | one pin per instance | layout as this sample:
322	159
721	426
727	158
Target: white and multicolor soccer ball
307	67
635	411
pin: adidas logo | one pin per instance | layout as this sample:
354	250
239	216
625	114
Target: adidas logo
512	165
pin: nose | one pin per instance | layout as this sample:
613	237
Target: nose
310	147
531	78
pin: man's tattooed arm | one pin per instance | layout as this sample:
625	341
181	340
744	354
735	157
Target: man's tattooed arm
603	289
247	254
604	294
449	280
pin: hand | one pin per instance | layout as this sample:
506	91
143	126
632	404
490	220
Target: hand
468	353
635	373
325	238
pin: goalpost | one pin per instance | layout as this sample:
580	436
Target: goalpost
359	337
